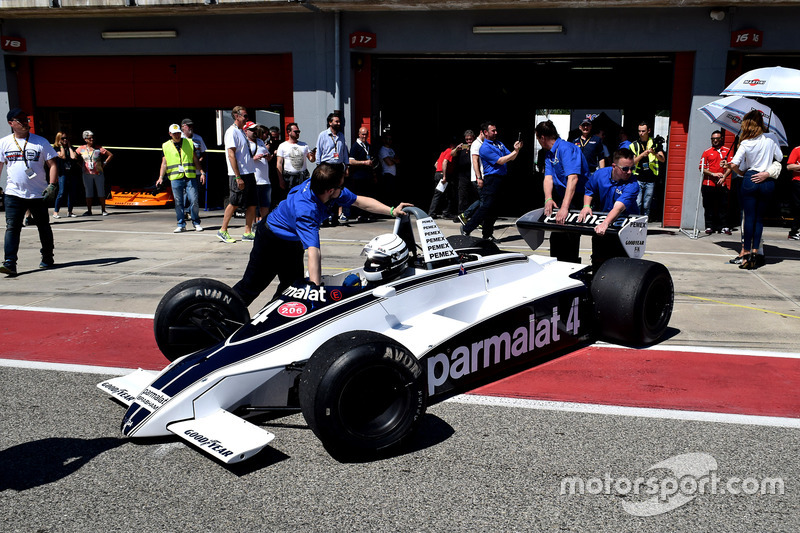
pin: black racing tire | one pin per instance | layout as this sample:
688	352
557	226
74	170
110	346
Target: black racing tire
633	300
362	393
466	244
197	314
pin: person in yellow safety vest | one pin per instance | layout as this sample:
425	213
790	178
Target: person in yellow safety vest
647	160
179	164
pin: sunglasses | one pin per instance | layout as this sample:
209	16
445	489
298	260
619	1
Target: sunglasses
626	169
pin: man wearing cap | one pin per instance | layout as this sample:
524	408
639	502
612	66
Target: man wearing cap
241	176
32	182
180	164
592	146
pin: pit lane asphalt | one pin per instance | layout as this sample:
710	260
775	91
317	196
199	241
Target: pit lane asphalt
63	466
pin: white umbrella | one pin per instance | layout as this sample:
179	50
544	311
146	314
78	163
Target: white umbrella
768	82
728	113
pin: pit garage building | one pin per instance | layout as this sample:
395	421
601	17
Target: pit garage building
424	69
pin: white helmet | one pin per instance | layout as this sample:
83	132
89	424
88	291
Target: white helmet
387	257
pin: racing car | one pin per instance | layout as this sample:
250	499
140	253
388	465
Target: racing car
365	353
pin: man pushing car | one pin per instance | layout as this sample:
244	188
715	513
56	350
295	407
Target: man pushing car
294	226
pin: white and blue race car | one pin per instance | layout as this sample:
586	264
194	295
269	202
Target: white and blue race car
364	354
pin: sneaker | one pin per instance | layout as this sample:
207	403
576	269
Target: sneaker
198	227
47	263
179	229
224	236
462	231
709	231
56	215
249	236
28	221
736	260
8	268
794	236
343	219
462	219
727	231
88	214
73	215
104	213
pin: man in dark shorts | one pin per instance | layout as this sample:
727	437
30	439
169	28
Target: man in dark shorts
241	176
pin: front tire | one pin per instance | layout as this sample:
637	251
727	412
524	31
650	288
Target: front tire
362	393
633	300
197	314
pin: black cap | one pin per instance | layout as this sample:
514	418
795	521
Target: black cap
14	113
187	121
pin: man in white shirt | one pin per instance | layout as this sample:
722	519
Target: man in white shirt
389	161
32	182
241	177
476	176
293	157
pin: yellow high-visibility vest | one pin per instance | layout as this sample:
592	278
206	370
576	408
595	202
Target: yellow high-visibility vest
180	163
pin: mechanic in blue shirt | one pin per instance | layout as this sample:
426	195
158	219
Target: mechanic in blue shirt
294	226
494	158
612	190
565	176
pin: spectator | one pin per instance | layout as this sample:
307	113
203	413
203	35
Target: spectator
294	226
754	158
793	164
440	182
67	163
273	142
200	148
648	157
622	137
592	146
293	156
476	176
362	170
494	160
612	190
95	159
179	164
241	177
32	181
331	145
389	161
565	176
259	135
713	188
467	190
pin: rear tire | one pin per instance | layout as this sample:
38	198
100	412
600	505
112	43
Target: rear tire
633	300
197	314
362	393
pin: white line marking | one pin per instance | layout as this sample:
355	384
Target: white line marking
64	367
702	349
75	311
642	412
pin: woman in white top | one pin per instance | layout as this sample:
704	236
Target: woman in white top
754	157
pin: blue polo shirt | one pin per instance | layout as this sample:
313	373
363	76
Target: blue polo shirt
561	161
605	192
489	153
299	216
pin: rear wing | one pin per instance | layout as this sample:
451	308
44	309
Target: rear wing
631	230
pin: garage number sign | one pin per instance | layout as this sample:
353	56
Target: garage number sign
363	39
13	44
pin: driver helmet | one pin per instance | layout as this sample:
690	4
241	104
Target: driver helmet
387	257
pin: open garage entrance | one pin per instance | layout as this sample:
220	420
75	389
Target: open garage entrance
425	100
130	106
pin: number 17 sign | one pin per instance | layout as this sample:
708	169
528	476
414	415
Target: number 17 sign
363	39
